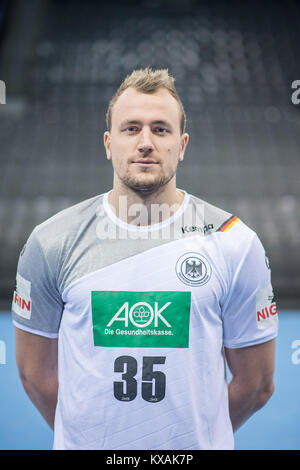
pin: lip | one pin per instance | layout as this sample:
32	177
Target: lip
145	162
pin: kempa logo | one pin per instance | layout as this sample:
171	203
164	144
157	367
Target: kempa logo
141	315
2	92
194	228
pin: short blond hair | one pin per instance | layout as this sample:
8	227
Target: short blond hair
148	81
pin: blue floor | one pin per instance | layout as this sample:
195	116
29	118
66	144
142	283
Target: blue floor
276	426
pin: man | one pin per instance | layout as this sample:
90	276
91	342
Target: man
127	304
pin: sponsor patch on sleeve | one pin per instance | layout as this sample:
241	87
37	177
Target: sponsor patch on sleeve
21	304
266	310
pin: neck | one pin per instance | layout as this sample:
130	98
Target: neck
140	208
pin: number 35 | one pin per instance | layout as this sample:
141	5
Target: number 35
127	389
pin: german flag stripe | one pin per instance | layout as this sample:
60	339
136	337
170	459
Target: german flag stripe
228	224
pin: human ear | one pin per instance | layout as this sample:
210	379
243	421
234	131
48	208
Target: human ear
183	144
106	139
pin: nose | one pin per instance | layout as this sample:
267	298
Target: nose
145	144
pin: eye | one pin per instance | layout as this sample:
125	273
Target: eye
131	129
161	130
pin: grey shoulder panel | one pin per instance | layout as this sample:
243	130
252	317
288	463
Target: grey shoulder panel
214	218
43	265
68	220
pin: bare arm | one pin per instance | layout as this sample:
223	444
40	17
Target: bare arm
252	384
37	363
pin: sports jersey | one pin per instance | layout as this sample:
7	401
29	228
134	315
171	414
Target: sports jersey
142	315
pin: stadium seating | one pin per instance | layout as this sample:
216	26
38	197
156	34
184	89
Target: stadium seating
233	67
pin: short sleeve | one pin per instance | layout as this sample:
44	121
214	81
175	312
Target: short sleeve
249	311
37	305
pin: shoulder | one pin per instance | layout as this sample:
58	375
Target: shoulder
217	219
229	231
214	216
52	242
239	249
59	233
68	221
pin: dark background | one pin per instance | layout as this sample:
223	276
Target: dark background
234	64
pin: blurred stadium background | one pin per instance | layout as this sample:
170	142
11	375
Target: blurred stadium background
234	63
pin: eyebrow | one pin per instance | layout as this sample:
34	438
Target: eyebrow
158	122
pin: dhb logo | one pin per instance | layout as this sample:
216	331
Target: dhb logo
193	269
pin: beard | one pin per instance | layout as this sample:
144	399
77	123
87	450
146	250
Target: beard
144	182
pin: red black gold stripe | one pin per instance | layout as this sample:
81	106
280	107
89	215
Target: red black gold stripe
228	224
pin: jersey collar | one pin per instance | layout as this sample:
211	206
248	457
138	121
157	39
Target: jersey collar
144	228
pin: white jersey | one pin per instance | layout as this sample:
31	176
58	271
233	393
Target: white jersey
142	315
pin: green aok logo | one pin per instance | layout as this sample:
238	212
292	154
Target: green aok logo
141	314
141	319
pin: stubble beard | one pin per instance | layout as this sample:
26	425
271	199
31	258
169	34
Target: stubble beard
143	185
